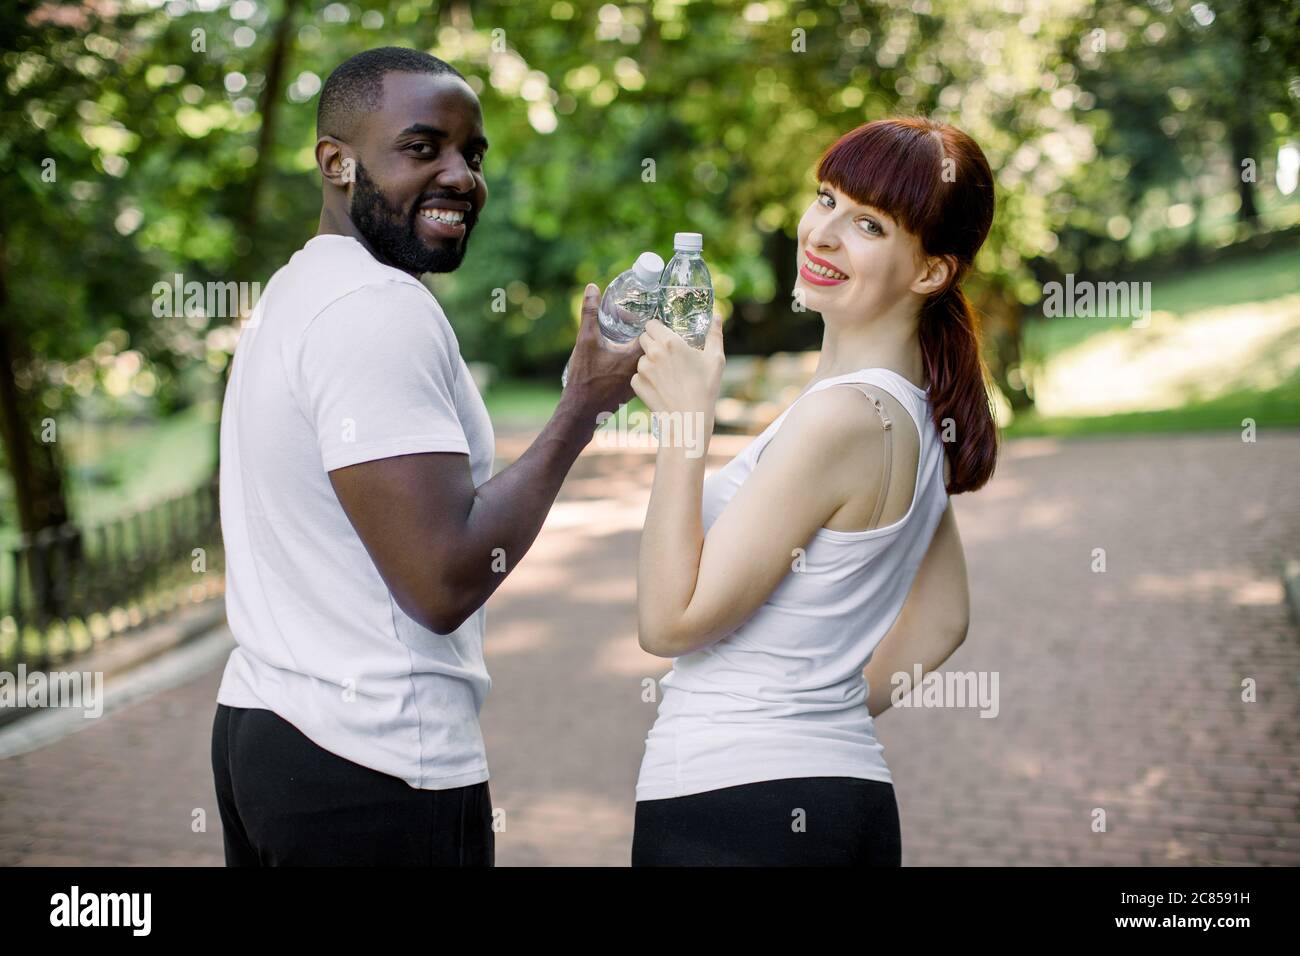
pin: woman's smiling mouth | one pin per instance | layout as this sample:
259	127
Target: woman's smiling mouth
820	272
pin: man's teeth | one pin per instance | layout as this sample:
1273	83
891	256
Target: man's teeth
450	216
823	271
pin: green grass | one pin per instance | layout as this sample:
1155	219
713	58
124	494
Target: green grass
521	403
1272	408
528	403
1223	345
1272	275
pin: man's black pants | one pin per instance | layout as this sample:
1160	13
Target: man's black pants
285	801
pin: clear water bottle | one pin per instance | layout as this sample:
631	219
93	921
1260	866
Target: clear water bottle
629	302
686	291
686	295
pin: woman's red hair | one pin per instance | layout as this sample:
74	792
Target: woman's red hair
934	181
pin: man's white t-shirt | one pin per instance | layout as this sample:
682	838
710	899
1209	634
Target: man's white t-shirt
345	360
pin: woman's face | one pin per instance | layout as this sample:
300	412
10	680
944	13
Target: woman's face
853	259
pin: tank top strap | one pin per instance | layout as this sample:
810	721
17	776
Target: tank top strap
914	399
904	392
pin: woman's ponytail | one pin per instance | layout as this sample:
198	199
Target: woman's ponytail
959	397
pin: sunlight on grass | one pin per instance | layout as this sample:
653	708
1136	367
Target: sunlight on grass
1223	345
1175	361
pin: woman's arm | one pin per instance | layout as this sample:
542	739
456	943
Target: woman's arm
692	589
933	622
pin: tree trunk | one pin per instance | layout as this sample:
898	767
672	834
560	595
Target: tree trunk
1190	254
34	464
1242	136
36	468
1243	147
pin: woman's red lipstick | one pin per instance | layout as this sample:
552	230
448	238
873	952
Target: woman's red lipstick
813	277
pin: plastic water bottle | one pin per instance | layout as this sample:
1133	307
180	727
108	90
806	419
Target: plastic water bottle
686	295
686	301
629	302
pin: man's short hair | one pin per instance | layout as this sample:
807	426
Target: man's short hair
356	86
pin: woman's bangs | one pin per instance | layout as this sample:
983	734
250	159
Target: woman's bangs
891	167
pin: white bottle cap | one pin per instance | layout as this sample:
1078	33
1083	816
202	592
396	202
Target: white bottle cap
688	242
648	268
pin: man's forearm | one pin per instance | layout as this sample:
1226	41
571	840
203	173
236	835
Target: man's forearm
509	510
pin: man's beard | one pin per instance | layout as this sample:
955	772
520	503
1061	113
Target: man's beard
392	233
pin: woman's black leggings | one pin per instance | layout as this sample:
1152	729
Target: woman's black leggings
799	821
284	801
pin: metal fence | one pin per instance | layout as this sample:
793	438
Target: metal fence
67	588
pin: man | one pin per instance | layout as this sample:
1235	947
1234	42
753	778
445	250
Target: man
362	532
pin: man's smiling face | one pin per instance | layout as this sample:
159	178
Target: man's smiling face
419	178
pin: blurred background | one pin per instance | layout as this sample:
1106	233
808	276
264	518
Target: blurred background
145	142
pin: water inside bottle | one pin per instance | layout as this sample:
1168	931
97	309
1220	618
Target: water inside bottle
628	313
688	311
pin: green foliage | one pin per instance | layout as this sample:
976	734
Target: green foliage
1190	99
731	102
612	126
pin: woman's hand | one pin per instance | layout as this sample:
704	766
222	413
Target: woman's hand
673	377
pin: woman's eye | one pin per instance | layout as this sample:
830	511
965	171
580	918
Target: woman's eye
872	227
826	199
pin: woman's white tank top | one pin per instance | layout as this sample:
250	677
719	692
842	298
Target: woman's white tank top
783	695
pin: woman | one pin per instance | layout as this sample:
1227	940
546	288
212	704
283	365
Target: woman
776	581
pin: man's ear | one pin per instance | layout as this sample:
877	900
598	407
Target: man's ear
336	162
937	274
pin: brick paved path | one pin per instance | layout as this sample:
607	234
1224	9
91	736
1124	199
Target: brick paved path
1119	691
